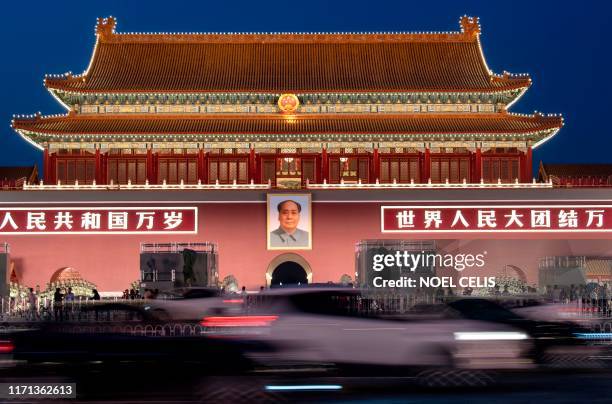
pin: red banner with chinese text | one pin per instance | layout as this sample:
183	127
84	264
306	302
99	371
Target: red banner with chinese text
99	220
496	218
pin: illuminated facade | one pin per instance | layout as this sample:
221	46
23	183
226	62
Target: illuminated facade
363	123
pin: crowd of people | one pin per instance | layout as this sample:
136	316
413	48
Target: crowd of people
591	296
62	302
134	294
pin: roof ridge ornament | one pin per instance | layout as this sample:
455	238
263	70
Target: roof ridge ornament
470	26
105	27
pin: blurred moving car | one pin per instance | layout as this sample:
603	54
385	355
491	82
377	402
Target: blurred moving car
119	333
188	304
556	342
329	326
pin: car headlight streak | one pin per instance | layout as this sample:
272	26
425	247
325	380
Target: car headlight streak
490	336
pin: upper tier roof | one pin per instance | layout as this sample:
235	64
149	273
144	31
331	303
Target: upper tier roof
287	62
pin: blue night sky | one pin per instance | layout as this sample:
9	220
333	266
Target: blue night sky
564	46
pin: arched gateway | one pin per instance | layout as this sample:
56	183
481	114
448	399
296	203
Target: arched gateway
288	269
289	273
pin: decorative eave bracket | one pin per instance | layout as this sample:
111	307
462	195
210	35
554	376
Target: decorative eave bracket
470	26
105	28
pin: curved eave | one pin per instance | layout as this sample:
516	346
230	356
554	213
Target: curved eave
181	124
534	129
545	139
58	95
48	80
38	139
522	82
30	139
518	96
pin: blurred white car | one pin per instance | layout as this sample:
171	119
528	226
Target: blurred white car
330	326
191	304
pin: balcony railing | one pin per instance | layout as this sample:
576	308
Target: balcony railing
562	262
358	184
430	185
41	186
177	247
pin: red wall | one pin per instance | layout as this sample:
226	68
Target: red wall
239	229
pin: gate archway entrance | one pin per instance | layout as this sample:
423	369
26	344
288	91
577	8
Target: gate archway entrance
288	269
288	273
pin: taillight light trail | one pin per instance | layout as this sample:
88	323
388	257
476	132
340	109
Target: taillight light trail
233	301
6	346
238	321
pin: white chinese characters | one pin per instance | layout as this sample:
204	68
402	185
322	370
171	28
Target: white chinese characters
497	218
98	220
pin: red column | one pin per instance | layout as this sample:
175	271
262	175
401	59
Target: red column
155	168
104	168
376	164
98	164
525	164
201	165
477	165
46	167
324	164
150	165
472	173
204	167
528	166
522	165
258	168
422	167
426	171
420	164
252	165
52	169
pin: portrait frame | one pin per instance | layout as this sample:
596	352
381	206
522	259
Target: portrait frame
272	219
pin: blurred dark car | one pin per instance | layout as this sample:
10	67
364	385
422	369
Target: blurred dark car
114	333
557	343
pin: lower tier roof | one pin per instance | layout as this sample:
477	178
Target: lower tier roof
380	127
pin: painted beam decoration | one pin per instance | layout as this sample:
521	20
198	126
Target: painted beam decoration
99	220
496	218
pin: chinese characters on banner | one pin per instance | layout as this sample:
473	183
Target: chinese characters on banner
496	218
81	220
